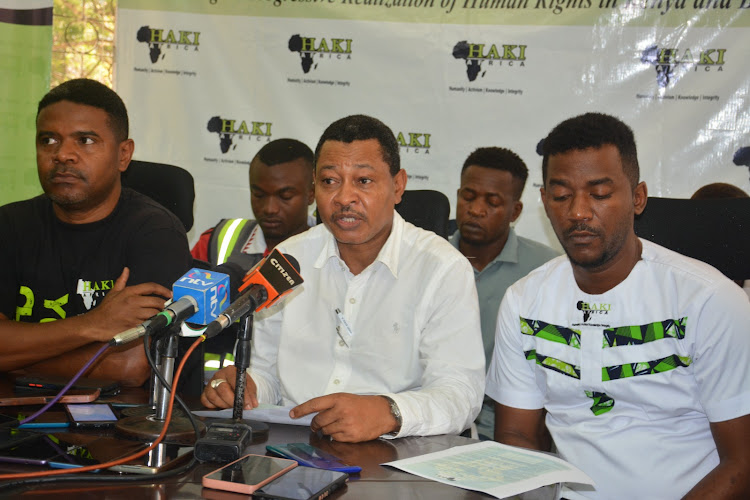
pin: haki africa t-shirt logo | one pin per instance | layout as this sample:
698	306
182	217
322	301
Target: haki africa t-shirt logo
158	39
478	56
93	291
313	49
591	308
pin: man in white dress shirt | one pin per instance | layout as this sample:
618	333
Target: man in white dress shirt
383	337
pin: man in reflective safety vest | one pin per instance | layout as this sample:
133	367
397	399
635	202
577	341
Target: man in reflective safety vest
281	190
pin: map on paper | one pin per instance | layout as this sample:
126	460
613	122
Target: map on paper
263	413
492	468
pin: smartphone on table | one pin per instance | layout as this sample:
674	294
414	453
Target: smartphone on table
48	419
310	456
37	451
46	449
91	415
303	483
248	473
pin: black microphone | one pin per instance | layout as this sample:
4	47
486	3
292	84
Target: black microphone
264	285
236	276
174	312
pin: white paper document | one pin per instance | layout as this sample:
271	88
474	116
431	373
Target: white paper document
492	468
263	413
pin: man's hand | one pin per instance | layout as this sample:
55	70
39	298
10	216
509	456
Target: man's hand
221	394
125	307
348	417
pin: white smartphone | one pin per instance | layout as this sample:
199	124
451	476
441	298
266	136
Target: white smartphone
248	473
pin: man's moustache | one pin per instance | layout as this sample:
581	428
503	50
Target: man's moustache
581	227
61	169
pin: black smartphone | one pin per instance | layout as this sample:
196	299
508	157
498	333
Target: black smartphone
43	450
36	451
29	383
91	415
303	483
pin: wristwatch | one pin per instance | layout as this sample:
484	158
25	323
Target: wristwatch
396	414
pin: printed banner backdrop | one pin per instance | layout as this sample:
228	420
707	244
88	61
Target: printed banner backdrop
208	82
25	55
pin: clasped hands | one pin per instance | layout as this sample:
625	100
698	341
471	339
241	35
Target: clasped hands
342	416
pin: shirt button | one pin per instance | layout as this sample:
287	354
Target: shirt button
342	343
337	381
352	300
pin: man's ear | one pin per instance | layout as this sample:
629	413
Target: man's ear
517	209
311	194
399	182
640	198
125	154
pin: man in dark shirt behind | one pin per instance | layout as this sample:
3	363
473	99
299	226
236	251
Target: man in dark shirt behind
88	258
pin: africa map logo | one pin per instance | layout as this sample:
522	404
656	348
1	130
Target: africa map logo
477	54
671	64
741	157
231	130
158	39
312	49
592	308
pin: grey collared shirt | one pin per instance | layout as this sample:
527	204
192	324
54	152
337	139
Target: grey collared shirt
519	256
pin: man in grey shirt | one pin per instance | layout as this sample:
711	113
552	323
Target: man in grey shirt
489	200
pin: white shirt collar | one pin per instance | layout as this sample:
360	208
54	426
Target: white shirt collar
388	255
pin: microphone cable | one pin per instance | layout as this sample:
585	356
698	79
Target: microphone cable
68	386
66	475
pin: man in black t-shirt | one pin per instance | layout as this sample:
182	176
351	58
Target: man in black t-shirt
88	259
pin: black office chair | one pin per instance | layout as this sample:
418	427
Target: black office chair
715	231
170	186
427	209
173	188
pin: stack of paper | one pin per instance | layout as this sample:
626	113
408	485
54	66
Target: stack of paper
493	468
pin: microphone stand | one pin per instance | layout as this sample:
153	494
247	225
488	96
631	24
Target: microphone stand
148	421
242	363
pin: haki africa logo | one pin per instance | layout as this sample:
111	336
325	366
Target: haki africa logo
741	157
670	63
591	308
311	49
231	130
158	39
477	54
414	142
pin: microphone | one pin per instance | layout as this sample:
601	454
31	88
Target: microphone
174	312
236	276
264	285
210	289
198	296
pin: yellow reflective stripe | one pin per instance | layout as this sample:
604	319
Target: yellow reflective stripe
228	238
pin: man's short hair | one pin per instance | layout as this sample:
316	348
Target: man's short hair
283	151
91	93
500	159
361	128
593	130
718	190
